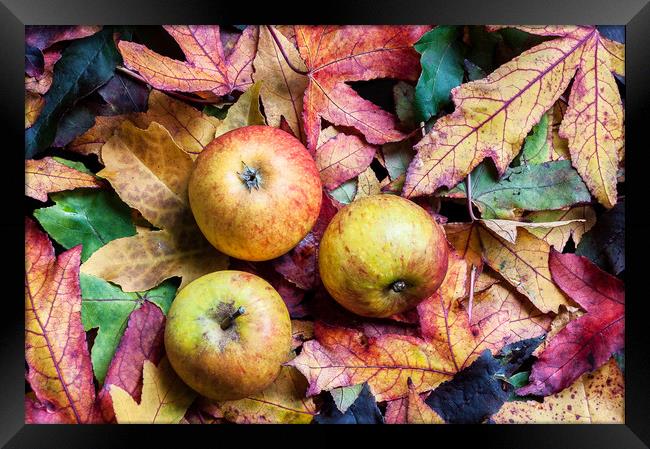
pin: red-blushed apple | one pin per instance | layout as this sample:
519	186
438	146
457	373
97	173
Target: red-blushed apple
255	192
382	255
227	334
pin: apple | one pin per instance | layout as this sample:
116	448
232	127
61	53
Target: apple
227	334
382	255
255	192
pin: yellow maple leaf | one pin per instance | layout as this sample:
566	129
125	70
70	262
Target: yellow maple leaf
165	398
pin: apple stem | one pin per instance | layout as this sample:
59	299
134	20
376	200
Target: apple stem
226	323
250	177
398	286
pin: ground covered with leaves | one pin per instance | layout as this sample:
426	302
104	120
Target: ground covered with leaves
511	137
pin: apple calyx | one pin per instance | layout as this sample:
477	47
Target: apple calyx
398	286
227	322
250	177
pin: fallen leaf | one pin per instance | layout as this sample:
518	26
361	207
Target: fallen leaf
246	111
604	244
417	412
344	397
283	88
367	184
124	95
43	36
558	237
48	175
345	193
465	239
335	55
283	402
364	410
92	140
525	265
507	229
595	398
536	148
404	97
165	398
59	367
301	331
342	158
143	261
397	156
206	68
142	340
493	115
589	341
107	308
33	105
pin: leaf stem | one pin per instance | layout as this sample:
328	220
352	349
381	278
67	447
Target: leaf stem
284	54
468	186
472	278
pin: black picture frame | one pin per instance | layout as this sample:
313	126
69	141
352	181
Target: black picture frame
634	14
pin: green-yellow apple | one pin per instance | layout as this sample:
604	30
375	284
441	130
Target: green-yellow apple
255	192
227	334
382	255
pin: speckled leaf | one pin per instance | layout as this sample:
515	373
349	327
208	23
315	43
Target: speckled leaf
559	236
507	229
342	158
48	175
367	184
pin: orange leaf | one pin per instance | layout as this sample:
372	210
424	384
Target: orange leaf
341	158
60	371
33	105
417	412
337	54
207	68
466	241
46	175
91	141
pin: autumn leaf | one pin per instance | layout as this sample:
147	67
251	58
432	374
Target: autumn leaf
335	55
107	308
33	105
301	331
60	371
283	402
604	244
246	111
558	237
367	184
345	193
124	95
141	262
465	239
507	229
42	37
344	397
363	410
589	341
404	97
417	412
165	398
342	158
142	340
207	67
525	265
92	140
283	88
595	398
49	175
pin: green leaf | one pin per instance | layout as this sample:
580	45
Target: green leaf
79	166
344	397
90	217
536	149
346	192
397	156
107	307
552	185
442	70
482	49
84	66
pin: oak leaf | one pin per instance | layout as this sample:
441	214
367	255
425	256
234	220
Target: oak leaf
207	67
335	55
165	398
589	341
60	370
48	175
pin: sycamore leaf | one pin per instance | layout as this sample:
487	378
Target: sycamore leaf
141	262
142	340
206	69
604	244
552	185
442	70
48	175
341	158
283	402
466	241
524	265
283	88
165	398
60	371
507	229
367	184
246	111
107	307
493	115
589	341
335	55
582	220
595	398
90	218
33	105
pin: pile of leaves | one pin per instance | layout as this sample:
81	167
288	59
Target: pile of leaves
510	137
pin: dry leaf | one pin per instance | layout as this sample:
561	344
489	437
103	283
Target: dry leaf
47	175
559	236
507	229
342	158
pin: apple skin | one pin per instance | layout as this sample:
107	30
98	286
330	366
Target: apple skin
244	358
382	255
255	192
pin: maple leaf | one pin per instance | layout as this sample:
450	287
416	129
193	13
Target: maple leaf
60	371
283	88
465	239
417	411
162	170
283	402
342	158
587	342
142	340
595	398
525	265
165	398
49	175
207	67
337	54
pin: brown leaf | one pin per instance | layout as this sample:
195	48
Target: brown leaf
559	236
33	105
367	184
